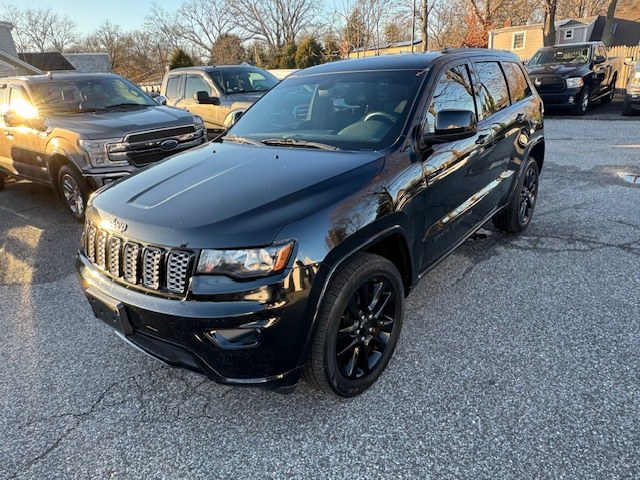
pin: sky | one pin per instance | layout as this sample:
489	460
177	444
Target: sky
89	14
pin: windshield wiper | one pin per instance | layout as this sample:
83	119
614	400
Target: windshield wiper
290	142
121	105
245	140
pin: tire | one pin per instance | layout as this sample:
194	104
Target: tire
626	107
2	177
74	191
612	92
583	103
357	333
516	216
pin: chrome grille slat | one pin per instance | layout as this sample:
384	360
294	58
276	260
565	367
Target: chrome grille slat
130	257
115	245
151	258
177	267
101	249
144	266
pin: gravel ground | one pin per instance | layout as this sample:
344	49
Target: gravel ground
518	358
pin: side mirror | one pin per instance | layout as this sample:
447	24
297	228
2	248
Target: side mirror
599	59
161	100
204	98
452	125
629	61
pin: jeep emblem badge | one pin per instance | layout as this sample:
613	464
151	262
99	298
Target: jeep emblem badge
169	144
118	225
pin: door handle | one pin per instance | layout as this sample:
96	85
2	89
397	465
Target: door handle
482	139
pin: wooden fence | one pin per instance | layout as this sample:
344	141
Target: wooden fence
622	52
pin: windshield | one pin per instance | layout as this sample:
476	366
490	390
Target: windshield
78	95
557	55
242	80
344	110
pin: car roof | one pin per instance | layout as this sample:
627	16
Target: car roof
208	68
33	79
403	61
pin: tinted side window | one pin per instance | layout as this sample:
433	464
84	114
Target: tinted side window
491	89
195	83
518	85
172	86
453	92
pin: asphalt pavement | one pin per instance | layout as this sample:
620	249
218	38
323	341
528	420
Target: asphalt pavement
519	356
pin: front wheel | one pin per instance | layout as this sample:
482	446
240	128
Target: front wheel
626	107
358	326
516	216
583	103
74	191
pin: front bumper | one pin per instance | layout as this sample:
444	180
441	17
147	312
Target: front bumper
632	99
568	98
251	337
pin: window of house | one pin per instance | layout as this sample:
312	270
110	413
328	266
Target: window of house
453	92
568	34
518	40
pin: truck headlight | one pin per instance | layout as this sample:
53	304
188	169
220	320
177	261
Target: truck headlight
98	153
575	82
246	263
199	123
635	80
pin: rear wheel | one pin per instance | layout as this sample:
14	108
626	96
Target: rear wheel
583	102
358	327
74	191
516	216
612	91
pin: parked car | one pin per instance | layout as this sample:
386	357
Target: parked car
574	75
218	94
631	103
76	132
289	246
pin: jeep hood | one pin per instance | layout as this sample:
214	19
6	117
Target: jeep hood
118	123
228	195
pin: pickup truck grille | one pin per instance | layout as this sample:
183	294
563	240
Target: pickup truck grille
143	148
549	84
147	267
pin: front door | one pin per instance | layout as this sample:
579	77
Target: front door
22	140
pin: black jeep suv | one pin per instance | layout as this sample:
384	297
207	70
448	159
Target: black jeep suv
289	246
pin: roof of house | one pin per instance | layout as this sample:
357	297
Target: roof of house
10	59
47	62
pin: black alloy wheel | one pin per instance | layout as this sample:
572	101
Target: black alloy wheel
583	102
359	326
74	191
517	214
611	93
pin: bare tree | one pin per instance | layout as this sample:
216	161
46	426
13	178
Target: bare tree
40	29
549	30
110	38
607	35
274	22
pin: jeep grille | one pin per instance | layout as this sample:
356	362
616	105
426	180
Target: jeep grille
148	267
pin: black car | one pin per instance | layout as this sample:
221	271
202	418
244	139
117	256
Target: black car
288	248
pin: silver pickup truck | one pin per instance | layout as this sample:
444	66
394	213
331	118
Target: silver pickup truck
76	132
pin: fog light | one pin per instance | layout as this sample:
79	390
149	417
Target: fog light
570	99
235	337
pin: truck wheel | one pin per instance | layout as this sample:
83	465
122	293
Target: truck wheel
582	105
358	326
516	216
626	107
612	91
74	190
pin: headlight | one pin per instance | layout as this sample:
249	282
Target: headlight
199	122
97	151
255	262
635	80
575	82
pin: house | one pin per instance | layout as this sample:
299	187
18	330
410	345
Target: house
10	64
524	40
386	49
89	62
